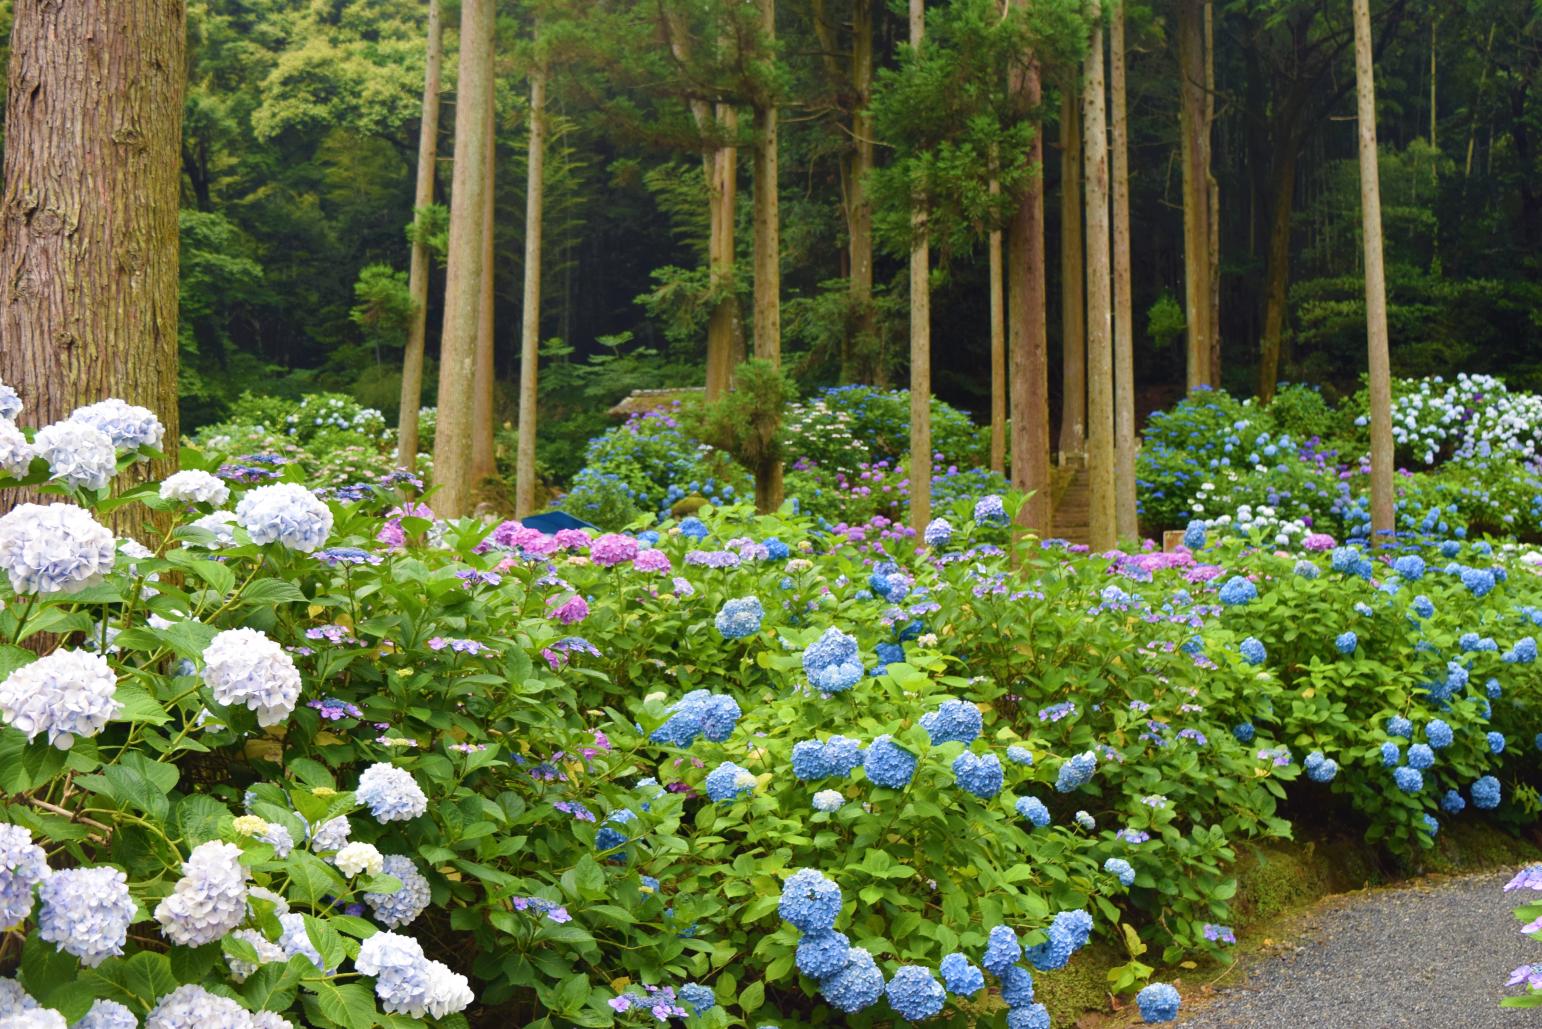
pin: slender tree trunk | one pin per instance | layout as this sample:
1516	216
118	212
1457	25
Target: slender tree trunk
920	338
1100	315
484	459
1073	279
1382	501
421	269
1196	177
1277	273
1434	119
1472	124
463	275
1126	516
1028	331
88	244
768	253
530	312
1213	198
859	208
998	349
723	343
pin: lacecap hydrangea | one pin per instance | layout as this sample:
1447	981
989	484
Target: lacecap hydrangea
286	513
68	694
391	793
832	662
54	548
244	668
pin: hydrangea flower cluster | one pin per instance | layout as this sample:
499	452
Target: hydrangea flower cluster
953	721
79	455
391	793
888	764
128	426
698	713
86	912
835	757
979	774
54	548
195	487
1158	1003
286	513
244	668
1076	772
728	782
210	898
740	617
832	662
395	910
23	865
68	694
407	982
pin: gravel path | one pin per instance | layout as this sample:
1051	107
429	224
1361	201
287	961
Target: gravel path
1426	956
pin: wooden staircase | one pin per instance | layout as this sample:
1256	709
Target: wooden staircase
1071	500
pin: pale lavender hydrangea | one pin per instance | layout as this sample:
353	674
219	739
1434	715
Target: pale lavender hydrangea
294	939
78	455
54	548
406	982
193	1007
15	452
210	898
86	912
219	525
195	487
244	668
406	904
392	794
35	1018
268	953
107	1014
10	402
331	834
67	694
127	425
23	865
287	513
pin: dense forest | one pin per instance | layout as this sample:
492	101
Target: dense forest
301	142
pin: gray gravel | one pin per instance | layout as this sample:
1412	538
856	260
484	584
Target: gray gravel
1427	956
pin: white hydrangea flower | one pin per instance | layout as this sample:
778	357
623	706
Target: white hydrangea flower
195	487
86	912
79	455
13	998
127	425
448	990
280	905
394	910
270	1020
331	834
66	694
210	898
35	1018
268	952
219	524
10	407
285	512
54	548
359	858
15	452
245	667
23	865
401	971
193	1007
107	1014
391	793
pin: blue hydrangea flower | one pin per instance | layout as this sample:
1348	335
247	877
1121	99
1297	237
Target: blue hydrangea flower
888	654
10	402
1409	780
959	977
394	910
1320	768
1002	950
888	764
1016	986
1306	569
1194	535
776	550
286	513
1438	733
828	801
713	715
810	901
1076	772
1068	932
1019	755
698	998
1346	642
191	1005
210	898
728	782
1486	793
1034	1016
1493	690
1158	1003
68	694
832	662
1238	590
1397	725
1120	869
1244	732
1479	581
391	793
1409	567
938	534
244	668
856	986
1420	756
79	455
23	864
822	954
693	528
1496	743
1423	607
109	1014
1391	756
1086	821
981	775
989	510
1538	741
1253	651
1452	802
1523	653
915	994
954	720
86	912
1431	825
740	617
1033	809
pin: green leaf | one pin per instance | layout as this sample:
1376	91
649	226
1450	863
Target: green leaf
326	941
312	879
351	1006
138	981
25	766
271	592
137	783
218	576
199	818
752	997
191	964
272	987
138	706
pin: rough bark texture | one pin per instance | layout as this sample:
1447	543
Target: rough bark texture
1100	320
1027	330
421	267
484	459
859	208
1196	192
1213	196
998	351
1073	279
464	271
920	339
1276	275
530	311
93	157
768	252
1375	280
724	342
1126	517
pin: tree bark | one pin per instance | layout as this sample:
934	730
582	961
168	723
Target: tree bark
1100	328
463	275
998	349
723	350
1277	274
859	208
1028	331
89	246
768	251
1126	516
1073	280
1382	502
530	310
1196	199
484	459
421	269
920	338
1213	199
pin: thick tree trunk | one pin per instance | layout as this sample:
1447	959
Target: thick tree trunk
998	350
1073	280
768	252
1213	198
1277	273
1126	516
88	246
1027	330
723	338
920	338
463	275
860	365
484	458
530	311
421	268
1100	314
1195	143
1382	501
